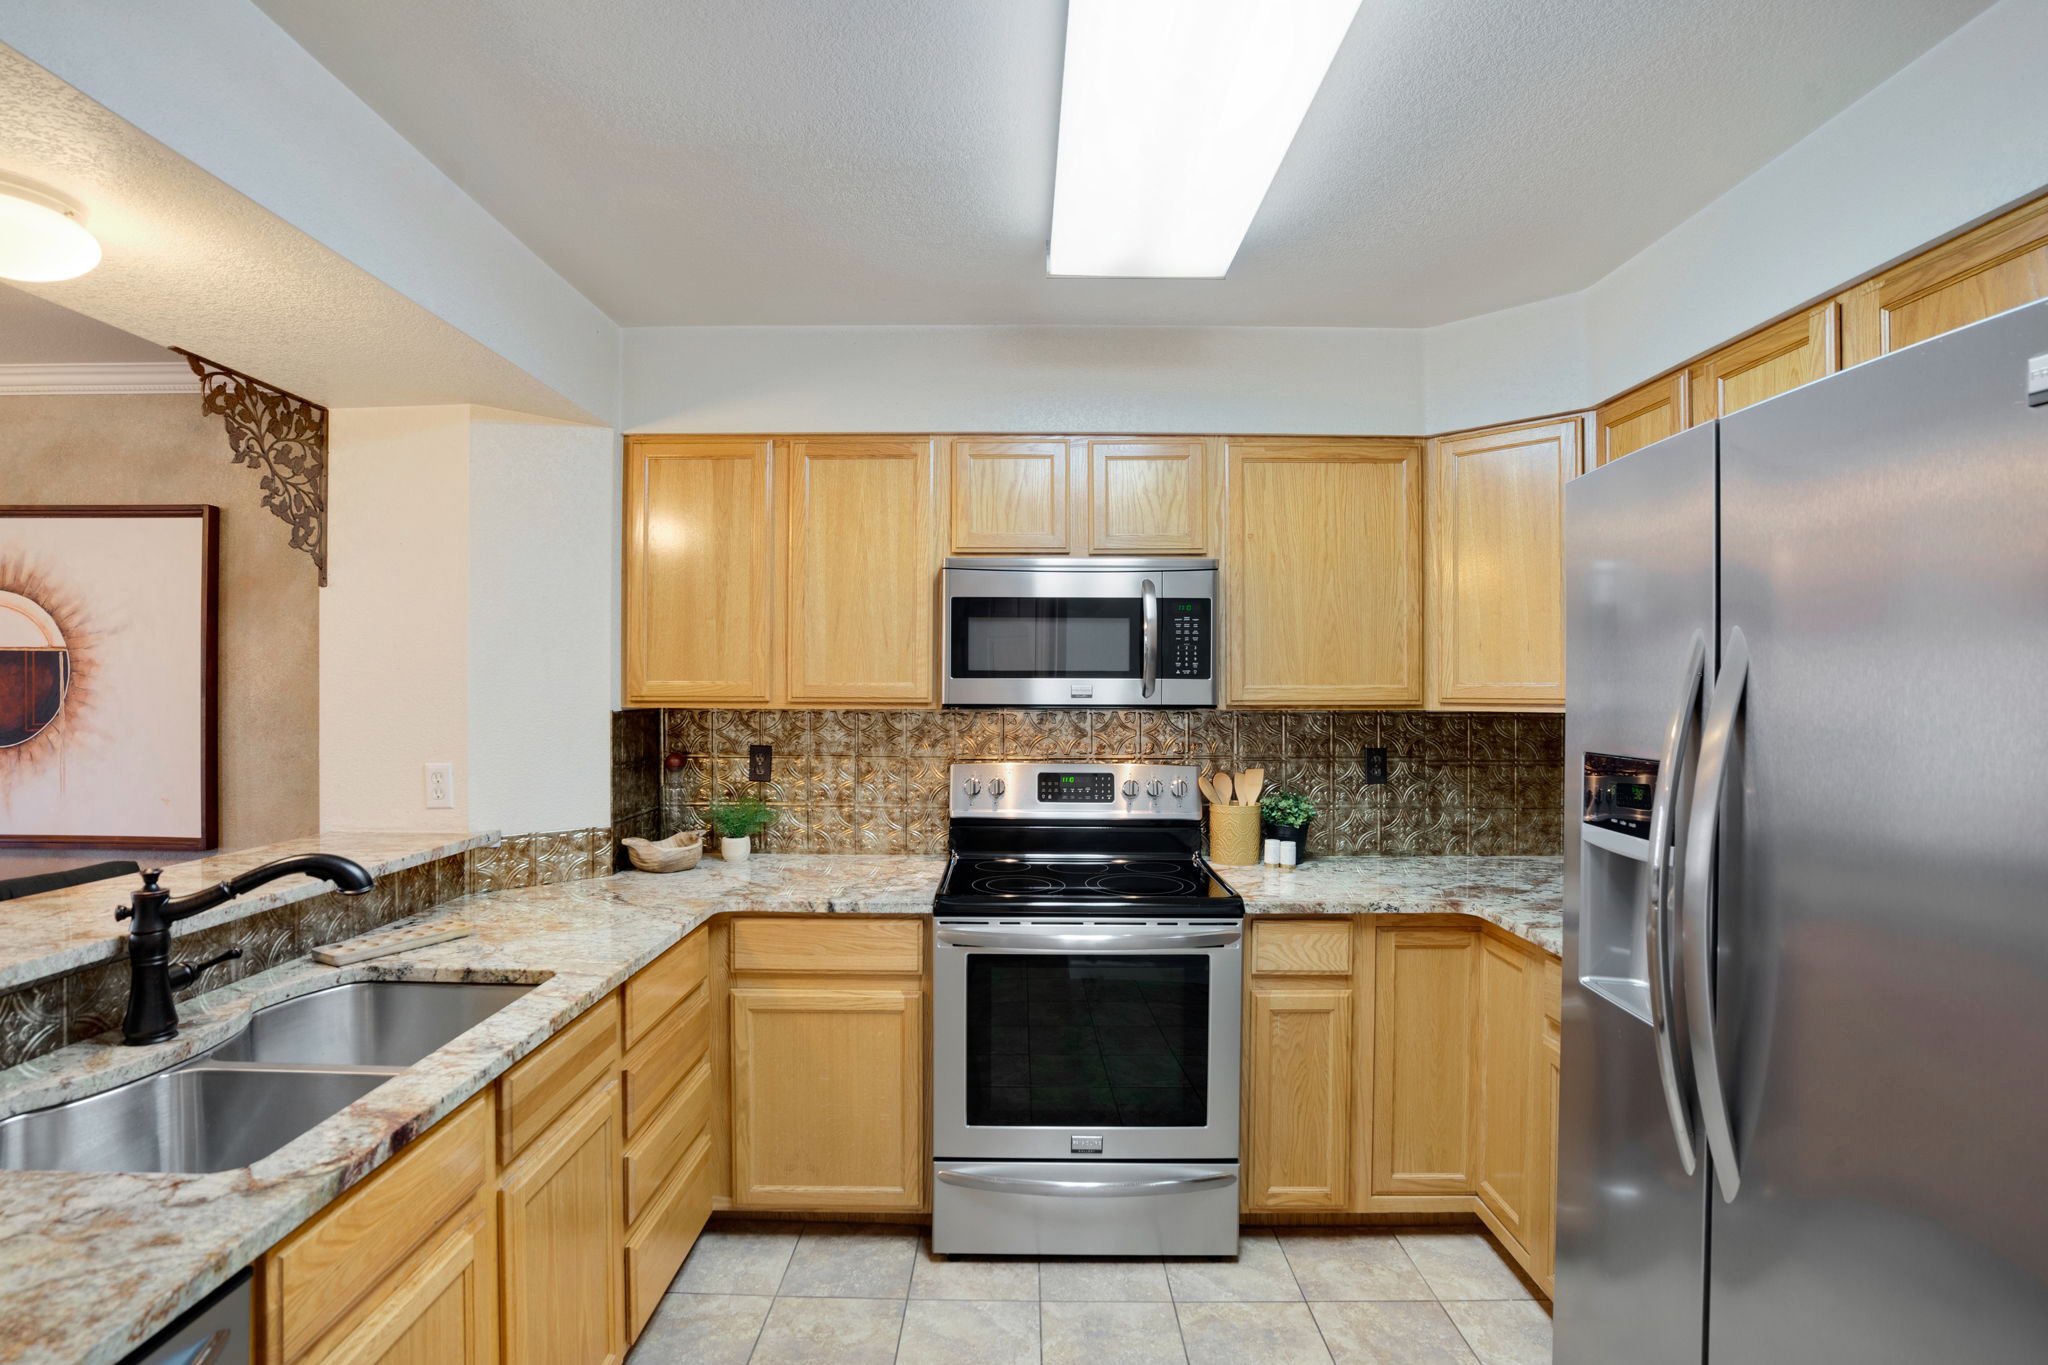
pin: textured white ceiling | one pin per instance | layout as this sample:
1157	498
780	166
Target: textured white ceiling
890	161
35	331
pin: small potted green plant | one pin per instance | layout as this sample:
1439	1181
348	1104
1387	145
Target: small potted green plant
1284	815
737	821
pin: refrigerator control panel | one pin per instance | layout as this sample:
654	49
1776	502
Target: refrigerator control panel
1618	793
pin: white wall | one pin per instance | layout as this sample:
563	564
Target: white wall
1236	379
1501	367
394	617
227	89
543	623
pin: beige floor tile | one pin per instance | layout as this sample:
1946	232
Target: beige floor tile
1259	1273
1102	1281
1390	1334
972	1277
702	1329
947	1331
738	1258
849	1261
1235	1333
1110	1334
1514	1332
843	1331
1348	1264
1463	1265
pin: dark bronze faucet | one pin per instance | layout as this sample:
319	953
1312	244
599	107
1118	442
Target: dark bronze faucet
152	1012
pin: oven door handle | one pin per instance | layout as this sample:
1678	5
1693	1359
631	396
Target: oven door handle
1149	683
1096	943
1084	1189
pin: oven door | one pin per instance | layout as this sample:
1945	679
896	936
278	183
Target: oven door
1094	1040
1106	634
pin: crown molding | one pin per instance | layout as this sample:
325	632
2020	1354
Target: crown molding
113	376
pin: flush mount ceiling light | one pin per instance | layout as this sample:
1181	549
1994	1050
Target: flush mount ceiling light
1174	115
42	237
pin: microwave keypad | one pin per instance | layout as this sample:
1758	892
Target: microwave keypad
1184	653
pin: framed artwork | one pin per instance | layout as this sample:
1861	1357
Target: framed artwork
107	643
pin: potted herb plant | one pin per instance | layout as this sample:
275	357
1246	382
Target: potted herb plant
737	821
1284	815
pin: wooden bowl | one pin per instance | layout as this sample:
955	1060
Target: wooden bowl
677	853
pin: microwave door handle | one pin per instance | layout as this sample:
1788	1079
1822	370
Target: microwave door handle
1151	643
1665	853
1702	840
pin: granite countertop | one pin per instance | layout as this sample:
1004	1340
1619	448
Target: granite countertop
61	931
93	1264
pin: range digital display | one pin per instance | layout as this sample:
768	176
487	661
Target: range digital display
1096	788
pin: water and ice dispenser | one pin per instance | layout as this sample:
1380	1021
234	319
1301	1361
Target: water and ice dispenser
1614	878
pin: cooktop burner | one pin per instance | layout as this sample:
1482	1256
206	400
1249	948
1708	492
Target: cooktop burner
1083	884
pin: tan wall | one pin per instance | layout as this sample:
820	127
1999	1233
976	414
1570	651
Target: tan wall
157	448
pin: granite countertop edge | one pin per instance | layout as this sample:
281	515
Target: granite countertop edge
93	1264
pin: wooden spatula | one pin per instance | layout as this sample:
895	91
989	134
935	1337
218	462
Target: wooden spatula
1250	783
1224	796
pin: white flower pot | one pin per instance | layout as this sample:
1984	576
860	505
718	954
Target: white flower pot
735	850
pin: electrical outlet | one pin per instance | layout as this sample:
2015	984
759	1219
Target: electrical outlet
1375	767
440	786
760	762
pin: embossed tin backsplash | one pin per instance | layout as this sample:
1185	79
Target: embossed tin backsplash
875	781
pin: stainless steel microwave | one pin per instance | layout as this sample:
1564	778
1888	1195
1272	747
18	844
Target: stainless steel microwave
1080	632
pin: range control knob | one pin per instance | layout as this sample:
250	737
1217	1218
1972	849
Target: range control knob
972	786
1180	788
996	787
1130	789
1154	787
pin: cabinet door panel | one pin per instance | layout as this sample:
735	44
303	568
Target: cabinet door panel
444	1311
1991	268
1009	496
1763	365
861	573
1542	1225
827	1097
560	1220
1496	508
699	554
1637	419
1148	497
1423	1006
1299	1090
1312	523
1509	1018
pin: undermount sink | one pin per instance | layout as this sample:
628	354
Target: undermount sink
193	1119
369	1023
296	1064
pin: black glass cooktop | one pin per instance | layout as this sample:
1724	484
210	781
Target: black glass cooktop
1080	884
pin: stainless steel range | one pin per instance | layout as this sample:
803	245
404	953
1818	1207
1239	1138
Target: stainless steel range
1087	1004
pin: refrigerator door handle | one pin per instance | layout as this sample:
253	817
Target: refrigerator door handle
1702	840
1664	853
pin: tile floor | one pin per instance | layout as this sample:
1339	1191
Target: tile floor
821	1292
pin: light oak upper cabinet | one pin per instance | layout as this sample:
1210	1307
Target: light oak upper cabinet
1312	523
2000	265
700	555
1496	593
862	572
1148	497
1009	496
560	1215
1638	418
1763	364
1424	1000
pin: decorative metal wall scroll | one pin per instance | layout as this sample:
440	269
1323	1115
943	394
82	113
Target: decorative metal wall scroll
281	435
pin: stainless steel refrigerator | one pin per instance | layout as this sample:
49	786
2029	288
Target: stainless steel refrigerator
1805	1049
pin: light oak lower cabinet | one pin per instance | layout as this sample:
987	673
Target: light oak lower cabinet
1298	1147
443	1311
1423	1007
1510	1024
560	1221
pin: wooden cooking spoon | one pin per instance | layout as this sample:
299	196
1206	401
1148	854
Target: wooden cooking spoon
1224	796
1250	783
1208	788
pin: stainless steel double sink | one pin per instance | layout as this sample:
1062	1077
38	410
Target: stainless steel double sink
296	1064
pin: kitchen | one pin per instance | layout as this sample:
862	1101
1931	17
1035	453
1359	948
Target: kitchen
1236	802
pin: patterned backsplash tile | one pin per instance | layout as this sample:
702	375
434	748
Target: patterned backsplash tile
876	781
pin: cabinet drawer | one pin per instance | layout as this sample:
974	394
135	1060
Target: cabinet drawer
544	1086
654	1156
845	948
658	1064
665	983
1302	947
657	1246
325	1269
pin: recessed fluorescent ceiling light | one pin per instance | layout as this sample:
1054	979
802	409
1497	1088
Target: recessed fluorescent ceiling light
41	237
1174	115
